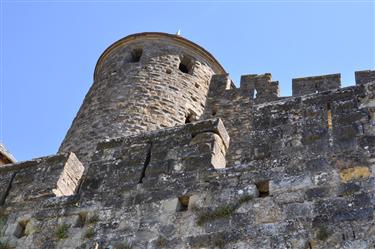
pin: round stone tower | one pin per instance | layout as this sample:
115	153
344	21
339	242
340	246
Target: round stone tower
143	82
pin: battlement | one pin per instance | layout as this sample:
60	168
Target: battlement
286	160
261	88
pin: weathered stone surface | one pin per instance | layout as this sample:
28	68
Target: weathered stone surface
241	171
58	175
139	86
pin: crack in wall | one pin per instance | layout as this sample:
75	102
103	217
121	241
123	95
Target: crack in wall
146	163
6	193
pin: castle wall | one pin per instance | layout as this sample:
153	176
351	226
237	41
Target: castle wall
170	154
305	180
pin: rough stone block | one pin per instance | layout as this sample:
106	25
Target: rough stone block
267	211
288	184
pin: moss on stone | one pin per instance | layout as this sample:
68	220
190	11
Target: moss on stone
218	213
62	231
245	198
3	219
125	245
160	242
322	234
5	245
89	233
93	219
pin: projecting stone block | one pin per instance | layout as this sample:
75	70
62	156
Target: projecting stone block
57	175
216	148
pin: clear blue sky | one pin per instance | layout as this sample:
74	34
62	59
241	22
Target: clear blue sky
49	50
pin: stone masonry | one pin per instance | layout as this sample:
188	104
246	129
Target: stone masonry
166	152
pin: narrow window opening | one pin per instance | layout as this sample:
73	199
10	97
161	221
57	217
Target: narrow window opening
183	203
255	93
20	229
136	55
263	188
343	237
354	235
189	119
329	116
183	68
186	65
8	186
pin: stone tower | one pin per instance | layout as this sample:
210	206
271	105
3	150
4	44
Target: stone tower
142	82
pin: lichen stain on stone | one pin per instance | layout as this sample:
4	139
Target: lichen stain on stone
354	173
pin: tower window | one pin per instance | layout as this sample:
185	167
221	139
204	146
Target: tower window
136	55
188	119
183	68
183	203
186	65
20	229
263	188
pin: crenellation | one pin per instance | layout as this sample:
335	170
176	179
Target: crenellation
315	84
363	77
220	83
266	90
175	156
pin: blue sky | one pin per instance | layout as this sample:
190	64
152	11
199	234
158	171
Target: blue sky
49	50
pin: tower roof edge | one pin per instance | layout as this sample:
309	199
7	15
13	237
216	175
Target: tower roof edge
156	35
